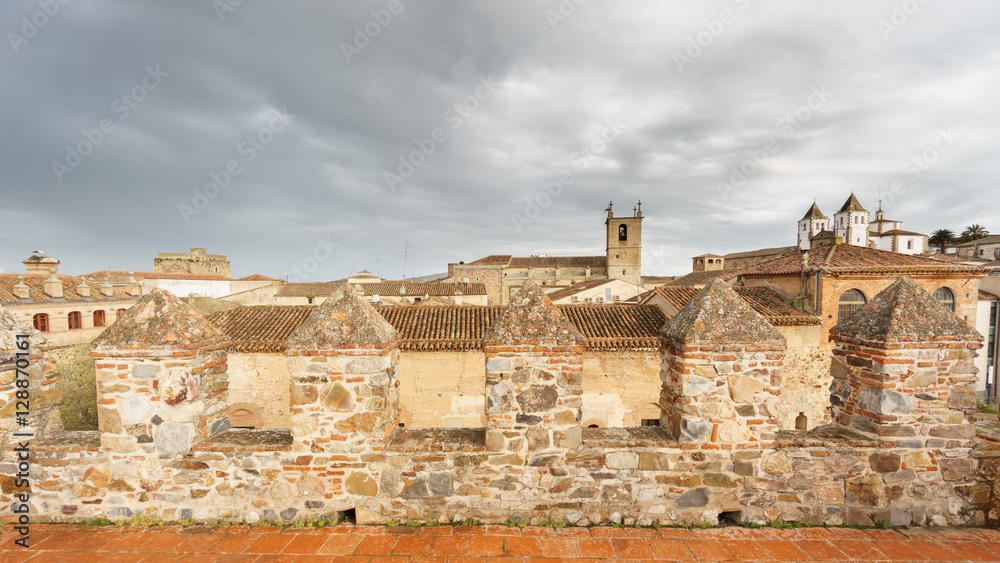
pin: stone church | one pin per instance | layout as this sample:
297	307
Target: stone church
503	274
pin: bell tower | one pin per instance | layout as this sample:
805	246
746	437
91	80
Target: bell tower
624	245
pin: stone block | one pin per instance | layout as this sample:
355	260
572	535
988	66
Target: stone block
538	438
742	389
539	398
777	463
955	469
335	397
894	517
172	437
884	462
621	460
695	385
695	498
650	461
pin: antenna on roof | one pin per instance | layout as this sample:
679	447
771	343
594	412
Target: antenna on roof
406	251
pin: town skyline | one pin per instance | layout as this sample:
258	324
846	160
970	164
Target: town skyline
265	133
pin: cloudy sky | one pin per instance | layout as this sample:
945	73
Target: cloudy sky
281	132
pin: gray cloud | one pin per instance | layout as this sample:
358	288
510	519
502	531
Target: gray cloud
682	131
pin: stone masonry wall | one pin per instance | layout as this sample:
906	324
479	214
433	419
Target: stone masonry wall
345	451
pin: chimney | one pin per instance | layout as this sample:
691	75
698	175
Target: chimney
21	291
802	300
133	287
53	287
83	289
106	288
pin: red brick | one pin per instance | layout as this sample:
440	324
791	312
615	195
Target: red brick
632	548
670	549
269	543
235	543
413	545
305	544
781	549
820	549
376	545
559	547
163	543
971	551
523	547
711	550
593	547
744	549
340	544
450	545
486	545
861	550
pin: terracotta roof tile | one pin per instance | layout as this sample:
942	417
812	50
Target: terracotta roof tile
308	289
260	328
845	258
617	326
440	328
257	277
493	260
700	278
36	287
122	275
576	288
395	288
265	328
769	303
990	239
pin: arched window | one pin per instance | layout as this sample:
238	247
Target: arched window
850	301
74	320
41	322
945	297
622	232
119	313
98	318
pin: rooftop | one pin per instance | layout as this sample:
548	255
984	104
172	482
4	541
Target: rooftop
846	259
769	303
36	287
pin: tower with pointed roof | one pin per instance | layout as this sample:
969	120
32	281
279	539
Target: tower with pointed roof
811	224
850	224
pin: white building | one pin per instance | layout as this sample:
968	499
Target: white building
852	226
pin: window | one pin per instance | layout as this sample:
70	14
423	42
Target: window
74	320
909	244
622	232
850	301
945	297
98	318
996	252
650	422
119	313
309	300
41	322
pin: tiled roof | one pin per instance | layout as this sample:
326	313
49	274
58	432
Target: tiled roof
813	213
896	233
618	326
256	277
265	328
657	279
987	296
36	289
575	288
122	275
307	289
852	204
991	239
769	303
440	328
701	278
493	260
849	259
776	251
394	288
260	328
559	262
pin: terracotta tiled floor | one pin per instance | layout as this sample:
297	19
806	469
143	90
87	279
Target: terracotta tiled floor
499	544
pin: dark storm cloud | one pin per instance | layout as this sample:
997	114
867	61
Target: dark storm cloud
625	100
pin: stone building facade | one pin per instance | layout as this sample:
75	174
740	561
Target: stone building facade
165	448
504	274
198	261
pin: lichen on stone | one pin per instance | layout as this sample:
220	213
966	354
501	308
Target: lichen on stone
904	310
718	313
531	315
349	320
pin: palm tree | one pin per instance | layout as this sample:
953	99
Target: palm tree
942	237
973	232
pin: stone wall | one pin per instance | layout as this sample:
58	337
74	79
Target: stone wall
442	389
533	460
261	379
620	387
